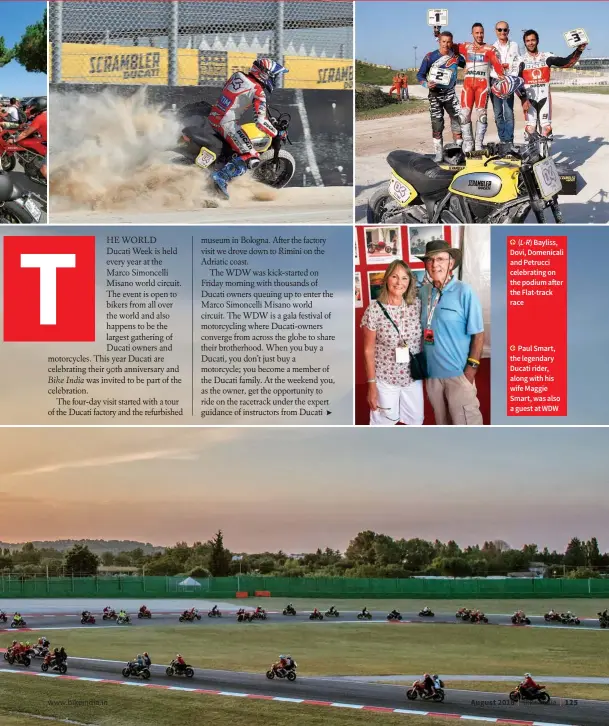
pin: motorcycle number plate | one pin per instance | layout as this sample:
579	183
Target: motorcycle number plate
205	158
399	191
548	178
33	209
576	37
439	76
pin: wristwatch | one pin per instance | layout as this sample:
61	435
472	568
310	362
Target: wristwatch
473	363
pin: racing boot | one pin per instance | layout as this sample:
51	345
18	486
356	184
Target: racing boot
481	127
468	137
438	150
236	167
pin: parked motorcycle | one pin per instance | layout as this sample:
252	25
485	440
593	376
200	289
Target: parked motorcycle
501	184
276	671
30	153
202	146
133	669
173	669
519	694
417	690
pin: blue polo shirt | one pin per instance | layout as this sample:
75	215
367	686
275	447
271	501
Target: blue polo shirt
458	316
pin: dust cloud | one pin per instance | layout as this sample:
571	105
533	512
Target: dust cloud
110	152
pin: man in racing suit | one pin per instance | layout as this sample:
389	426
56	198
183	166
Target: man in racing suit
534	69
479	58
240	92
442	98
529	686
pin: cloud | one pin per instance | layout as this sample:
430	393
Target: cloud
109	461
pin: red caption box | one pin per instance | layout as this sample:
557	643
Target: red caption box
49	289
537	326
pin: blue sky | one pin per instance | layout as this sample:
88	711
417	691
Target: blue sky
297	489
387	31
588	333
14	79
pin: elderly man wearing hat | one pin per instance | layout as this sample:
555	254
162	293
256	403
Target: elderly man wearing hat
453	336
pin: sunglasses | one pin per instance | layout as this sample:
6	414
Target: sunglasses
502	30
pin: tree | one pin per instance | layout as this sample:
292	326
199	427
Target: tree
80	561
593	554
361	549
107	559
219	562
31	50
575	555
455	567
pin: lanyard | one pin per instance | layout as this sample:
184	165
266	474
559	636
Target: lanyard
431	307
401	335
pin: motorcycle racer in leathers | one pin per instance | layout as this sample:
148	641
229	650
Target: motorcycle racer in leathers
241	91
479	57
534	67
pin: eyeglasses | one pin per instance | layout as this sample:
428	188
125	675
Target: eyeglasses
502	30
431	260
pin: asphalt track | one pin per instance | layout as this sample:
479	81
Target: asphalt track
305	205
38	621
473	703
581	142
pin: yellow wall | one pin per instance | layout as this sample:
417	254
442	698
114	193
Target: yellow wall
84	63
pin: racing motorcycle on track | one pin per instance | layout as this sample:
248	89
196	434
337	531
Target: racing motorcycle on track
123	620
463	613
201	146
332	613
316	615
133	669
109	614
189	616
426	613
477	618
552	617
603	620
501	184
214	614
394	615
174	669
519	694
3	617
290	610
520	618
569	619
277	671
88	620
21	659
364	615
244	617
52	664
417	690
144	613
259	614
18	623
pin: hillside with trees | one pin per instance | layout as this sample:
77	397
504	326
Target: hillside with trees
369	554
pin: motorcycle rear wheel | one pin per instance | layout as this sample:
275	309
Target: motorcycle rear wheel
291	676
145	674
383	208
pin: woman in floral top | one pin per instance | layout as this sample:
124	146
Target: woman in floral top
392	394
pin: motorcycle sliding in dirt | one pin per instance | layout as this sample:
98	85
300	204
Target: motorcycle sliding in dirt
501	184
202	146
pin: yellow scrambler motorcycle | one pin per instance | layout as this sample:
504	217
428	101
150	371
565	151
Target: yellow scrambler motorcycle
501	184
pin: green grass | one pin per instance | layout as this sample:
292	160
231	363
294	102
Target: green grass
582	89
596	692
582	607
400	109
351	649
121	706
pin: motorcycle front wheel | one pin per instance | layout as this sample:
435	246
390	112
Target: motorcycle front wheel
411	694
279	177
270	675
544	698
8	162
514	696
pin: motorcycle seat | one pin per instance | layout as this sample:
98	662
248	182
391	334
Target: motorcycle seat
203	135
420	171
